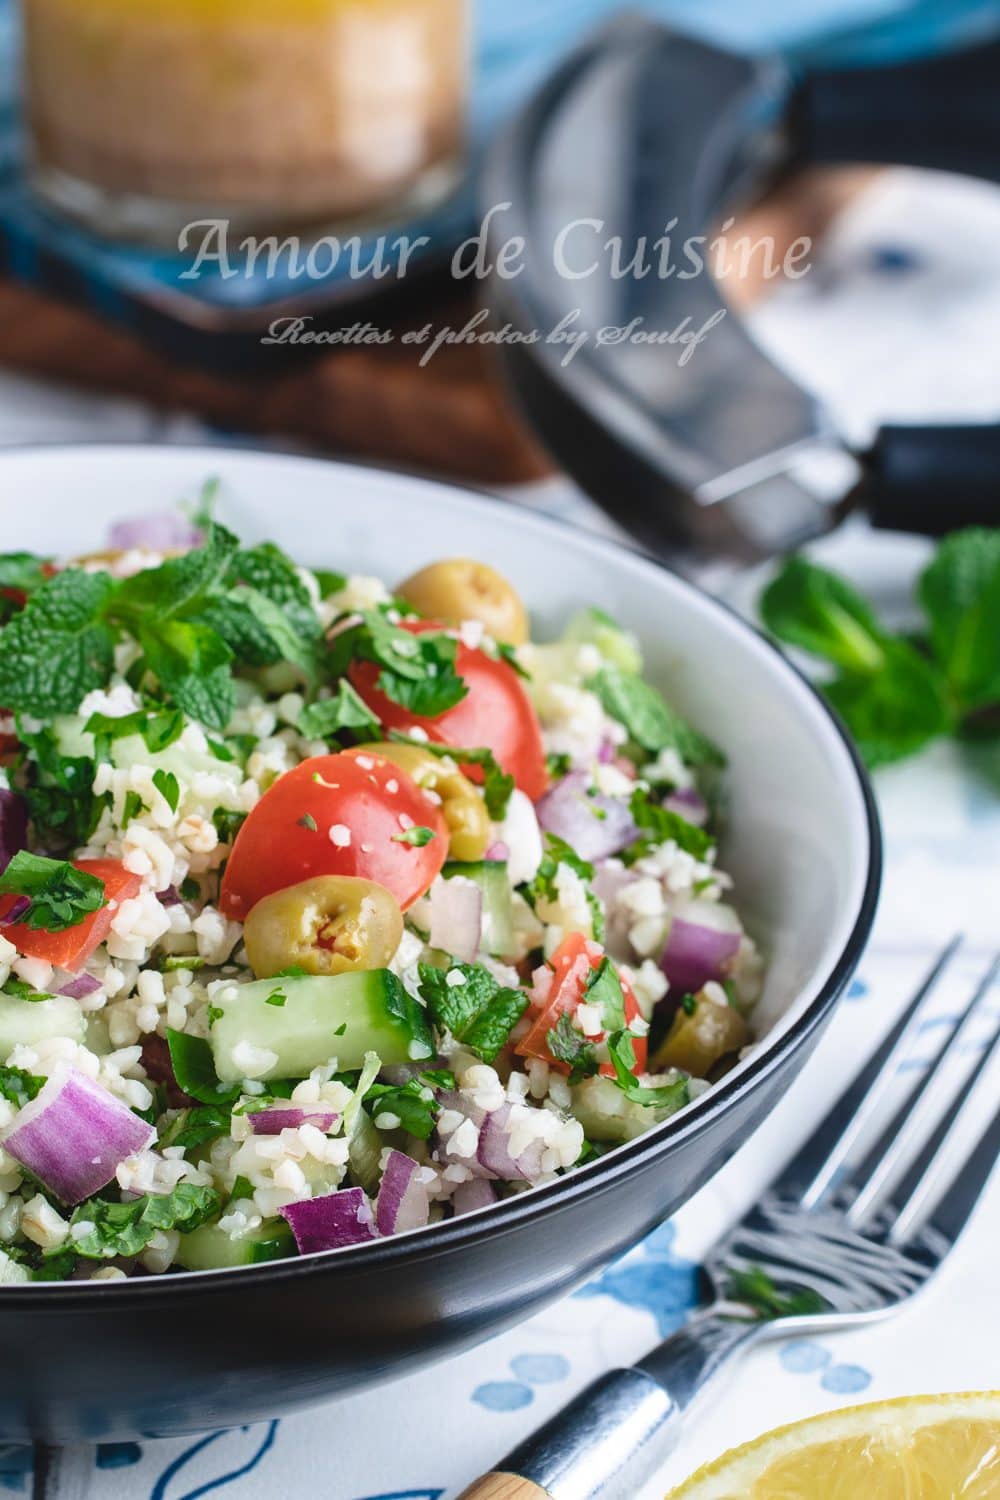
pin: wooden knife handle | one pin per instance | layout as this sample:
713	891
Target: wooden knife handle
504	1487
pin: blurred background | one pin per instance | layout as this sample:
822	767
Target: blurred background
119	124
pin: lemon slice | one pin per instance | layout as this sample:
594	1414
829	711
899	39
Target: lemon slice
916	1448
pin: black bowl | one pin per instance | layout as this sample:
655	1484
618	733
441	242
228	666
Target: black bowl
167	1356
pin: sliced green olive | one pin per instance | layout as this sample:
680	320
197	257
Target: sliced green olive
461	589
696	1042
332	924
462	807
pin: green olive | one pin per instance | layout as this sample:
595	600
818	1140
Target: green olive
462	807
696	1042
461	589
330	925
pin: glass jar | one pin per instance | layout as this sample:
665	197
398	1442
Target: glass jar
146	114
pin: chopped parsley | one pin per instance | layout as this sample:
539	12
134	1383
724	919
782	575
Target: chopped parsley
668	1096
18	990
194	1069
568	1045
543	886
477	1011
191	1128
756	1289
413	1104
127	1228
18	1086
658	824
61	896
309	822
650	721
328	718
415	837
167	785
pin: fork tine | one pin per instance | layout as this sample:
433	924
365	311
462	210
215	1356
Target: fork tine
896	1140
811	1171
956	1204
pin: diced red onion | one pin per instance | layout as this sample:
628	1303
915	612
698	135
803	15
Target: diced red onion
74	1134
160	1069
402	1201
611	877
499	851
690	804
331	1222
13	826
468	1196
494	1150
606	753
462	1104
457	917
169	897
16	910
703	937
595	827
162	531
80	987
290	1117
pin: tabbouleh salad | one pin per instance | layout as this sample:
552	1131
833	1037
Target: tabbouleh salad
328	912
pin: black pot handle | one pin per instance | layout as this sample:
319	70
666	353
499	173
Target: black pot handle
933	479
941	112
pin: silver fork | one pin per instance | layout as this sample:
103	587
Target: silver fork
826	1248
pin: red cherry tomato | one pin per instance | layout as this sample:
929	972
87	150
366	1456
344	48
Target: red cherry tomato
572	965
71	948
496	712
335	815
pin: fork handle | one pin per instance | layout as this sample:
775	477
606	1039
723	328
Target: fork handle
619	1429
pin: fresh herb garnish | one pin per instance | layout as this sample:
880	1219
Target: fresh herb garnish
194	1069
191	1128
649	719
61	896
127	1228
18	990
668	1096
897	693
543	886
412	1103
167	785
417	838
658	824
309	822
756	1289
568	1045
346	710
478	1011
18	1086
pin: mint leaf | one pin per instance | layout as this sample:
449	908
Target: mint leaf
179	587
412	1102
194	665
897	710
418	670
668	1096
820	612
269	571
61	896
327	718
658	824
57	649
127	1228
59	792
478	1012
18	1087
194	1069
649	719
259	632
23	571
570	1046
960	592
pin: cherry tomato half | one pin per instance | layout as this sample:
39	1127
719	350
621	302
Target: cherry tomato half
71	948
572	965
496	712
336	815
